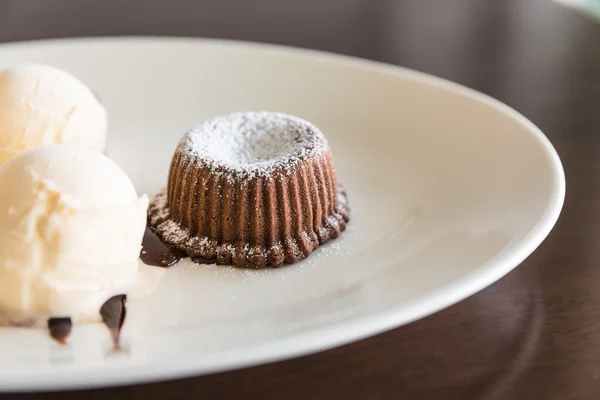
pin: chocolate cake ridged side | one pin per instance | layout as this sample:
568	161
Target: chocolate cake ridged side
256	222
273	222
229	218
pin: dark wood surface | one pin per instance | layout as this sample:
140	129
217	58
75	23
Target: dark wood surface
534	334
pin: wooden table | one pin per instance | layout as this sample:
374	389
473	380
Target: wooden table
533	335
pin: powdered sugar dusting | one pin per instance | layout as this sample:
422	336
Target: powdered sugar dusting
253	143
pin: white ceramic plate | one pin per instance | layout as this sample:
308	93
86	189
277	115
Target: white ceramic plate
449	190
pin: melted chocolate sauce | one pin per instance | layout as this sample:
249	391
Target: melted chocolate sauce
113	313
156	253
60	329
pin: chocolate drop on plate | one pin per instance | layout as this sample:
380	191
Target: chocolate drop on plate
156	253
60	329
113	313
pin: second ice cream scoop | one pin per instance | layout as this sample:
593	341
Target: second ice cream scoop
71	227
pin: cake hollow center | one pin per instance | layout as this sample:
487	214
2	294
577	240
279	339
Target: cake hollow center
253	140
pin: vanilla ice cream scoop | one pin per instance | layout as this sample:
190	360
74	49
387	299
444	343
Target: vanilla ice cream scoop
71	226
40	105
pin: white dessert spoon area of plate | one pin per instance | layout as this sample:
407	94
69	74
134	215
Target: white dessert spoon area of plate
449	190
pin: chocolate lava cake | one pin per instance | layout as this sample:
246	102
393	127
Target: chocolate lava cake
252	189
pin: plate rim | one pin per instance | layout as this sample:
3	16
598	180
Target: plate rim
330	335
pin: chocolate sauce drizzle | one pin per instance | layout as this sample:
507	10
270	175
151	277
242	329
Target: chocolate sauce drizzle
156	253
60	329
113	313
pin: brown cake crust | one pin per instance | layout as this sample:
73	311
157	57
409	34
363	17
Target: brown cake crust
275	210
